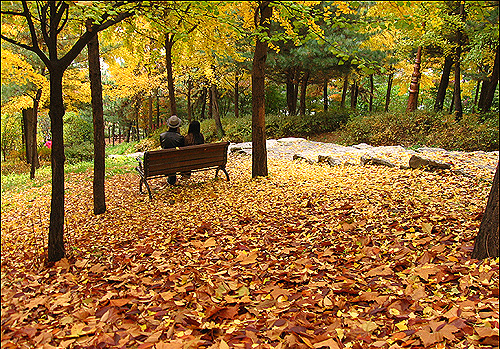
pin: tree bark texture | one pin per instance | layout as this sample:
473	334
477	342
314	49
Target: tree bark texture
443	84
303	93
189	106
169	43
98	121
388	94
30	127
489	86
259	151
415	83
354	94
56	249
486	242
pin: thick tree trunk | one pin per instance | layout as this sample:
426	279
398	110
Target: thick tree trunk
56	249
344	91
236	97
388	94
443	84
98	120
259	152
325	95
215	109
30	128
415	83
303	93
486	242
489	87
169	43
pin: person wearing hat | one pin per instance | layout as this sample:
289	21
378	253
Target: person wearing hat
172	139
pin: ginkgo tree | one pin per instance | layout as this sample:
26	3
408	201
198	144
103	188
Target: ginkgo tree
47	22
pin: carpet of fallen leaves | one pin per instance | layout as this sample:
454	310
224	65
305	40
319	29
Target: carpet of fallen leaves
311	257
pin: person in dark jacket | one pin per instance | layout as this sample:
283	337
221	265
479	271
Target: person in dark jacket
172	139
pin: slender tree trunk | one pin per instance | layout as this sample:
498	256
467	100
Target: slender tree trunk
259	152
370	108
203	102
236	97
344	91
56	249
150	128
388	94
98	120
290	92
303	93
325	95
443	84
157	108
169	43
216	114
457	97
354	94
190	108
210	103
486	242
476	96
489	87
415	83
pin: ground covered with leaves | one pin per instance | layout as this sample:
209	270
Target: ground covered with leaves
311	257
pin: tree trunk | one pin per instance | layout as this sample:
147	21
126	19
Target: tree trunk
56	249
344	91
98	120
486	242
370	108
259	152
476	96
489	87
236	97
457	98
203	102
443	84
325	95
30	122
415	82
210	103
149	130
388	94
303	90
354	94
169	42
189	106
216	114
290	92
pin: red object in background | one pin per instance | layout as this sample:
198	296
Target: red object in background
48	144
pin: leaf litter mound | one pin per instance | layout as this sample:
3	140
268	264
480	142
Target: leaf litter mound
310	257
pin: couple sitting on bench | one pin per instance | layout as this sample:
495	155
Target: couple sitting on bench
173	139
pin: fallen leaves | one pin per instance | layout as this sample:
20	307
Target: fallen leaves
310	257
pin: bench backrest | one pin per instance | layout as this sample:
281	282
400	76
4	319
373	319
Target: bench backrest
192	157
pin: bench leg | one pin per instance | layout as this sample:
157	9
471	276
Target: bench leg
143	180
149	189
223	170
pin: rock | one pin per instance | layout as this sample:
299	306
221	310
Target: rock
418	161
368	159
362	146
430	150
330	160
302	157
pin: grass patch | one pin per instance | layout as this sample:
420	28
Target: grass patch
18	182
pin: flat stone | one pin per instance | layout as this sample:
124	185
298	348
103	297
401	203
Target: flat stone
368	159
418	162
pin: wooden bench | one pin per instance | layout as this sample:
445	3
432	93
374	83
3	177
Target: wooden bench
168	162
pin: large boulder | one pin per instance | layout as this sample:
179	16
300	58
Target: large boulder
417	161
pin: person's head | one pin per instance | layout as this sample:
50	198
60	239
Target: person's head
174	122
194	127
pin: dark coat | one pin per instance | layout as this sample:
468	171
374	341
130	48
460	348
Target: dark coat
171	139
